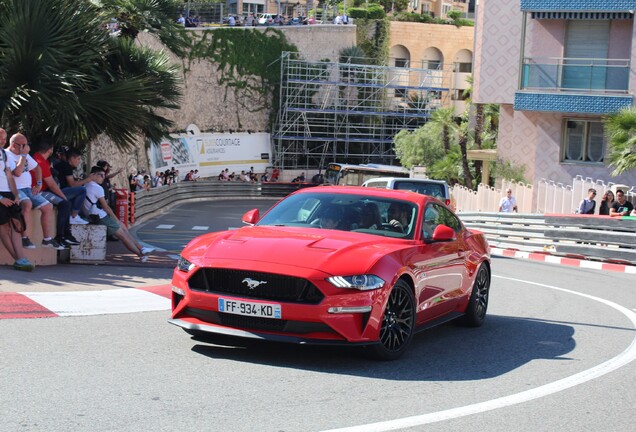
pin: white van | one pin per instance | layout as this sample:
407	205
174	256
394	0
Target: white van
434	188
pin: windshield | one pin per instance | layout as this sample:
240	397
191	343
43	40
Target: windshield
345	212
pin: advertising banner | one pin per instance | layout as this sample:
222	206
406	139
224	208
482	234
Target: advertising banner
211	152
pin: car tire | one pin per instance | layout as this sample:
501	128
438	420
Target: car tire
398	324
478	303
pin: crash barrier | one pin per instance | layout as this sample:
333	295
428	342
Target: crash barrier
282	189
92	247
40	256
601	238
153	200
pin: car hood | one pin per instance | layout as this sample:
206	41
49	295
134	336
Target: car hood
330	251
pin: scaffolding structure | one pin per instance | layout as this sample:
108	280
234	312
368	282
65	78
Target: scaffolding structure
349	112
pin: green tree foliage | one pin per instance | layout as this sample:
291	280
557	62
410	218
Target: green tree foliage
63	77
153	16
421	147
620	128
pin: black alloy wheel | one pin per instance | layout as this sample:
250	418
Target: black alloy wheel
398	323
478	303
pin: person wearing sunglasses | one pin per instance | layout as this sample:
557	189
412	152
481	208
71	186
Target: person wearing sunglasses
588	205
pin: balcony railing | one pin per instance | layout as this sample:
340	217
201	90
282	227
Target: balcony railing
575	75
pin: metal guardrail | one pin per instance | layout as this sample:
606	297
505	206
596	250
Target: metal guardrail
590	237
153	200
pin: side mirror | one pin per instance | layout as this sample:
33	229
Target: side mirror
251	217
443	233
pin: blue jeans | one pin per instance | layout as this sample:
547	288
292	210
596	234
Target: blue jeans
76	195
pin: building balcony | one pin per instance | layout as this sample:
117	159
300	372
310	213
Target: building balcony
578	5
576	75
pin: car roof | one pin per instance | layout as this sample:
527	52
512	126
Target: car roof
365	191
416	180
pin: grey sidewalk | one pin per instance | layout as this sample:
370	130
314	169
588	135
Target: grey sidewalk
84	277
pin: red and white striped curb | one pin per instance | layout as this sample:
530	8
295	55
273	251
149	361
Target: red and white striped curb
572	262
82	303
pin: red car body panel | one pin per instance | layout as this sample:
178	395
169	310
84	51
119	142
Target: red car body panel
440	273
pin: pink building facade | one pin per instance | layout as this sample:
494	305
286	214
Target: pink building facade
556	68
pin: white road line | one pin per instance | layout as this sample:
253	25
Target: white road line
81	303
611	365
200	228
164	227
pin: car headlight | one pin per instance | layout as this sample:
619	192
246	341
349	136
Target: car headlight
359	282
184	265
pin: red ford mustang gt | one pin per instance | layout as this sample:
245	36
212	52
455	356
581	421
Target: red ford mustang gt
334	264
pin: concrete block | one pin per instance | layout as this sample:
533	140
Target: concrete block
40	256
92	247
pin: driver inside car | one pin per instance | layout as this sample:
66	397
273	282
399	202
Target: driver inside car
331	218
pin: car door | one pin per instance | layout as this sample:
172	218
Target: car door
438	266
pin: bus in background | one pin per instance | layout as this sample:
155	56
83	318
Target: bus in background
355	175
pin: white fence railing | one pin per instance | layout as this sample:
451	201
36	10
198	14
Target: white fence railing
547	197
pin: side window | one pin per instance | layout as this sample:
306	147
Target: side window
446	217
431	217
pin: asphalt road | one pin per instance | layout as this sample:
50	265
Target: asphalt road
556	353
173	229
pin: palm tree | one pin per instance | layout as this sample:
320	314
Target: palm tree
157	17
620	128
445	119
63	77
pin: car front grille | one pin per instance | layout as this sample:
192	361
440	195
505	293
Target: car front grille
255	285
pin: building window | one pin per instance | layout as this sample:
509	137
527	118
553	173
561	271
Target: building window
583	141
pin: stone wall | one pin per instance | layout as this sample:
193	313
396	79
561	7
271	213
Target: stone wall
213	107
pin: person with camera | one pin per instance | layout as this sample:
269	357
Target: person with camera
99	212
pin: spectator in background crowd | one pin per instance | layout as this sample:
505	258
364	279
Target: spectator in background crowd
51	192
30	197
275	175
96	204
106	184
181	20
156	179
196	176
606	203
508	204
264	177
588	205
9	237
621	207
72	188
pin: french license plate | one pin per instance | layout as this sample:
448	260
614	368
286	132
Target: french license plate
265	310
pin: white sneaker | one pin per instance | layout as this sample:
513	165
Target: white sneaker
143	259
147	250
77	220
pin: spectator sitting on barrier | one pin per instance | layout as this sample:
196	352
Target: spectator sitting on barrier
621	207
95	204
195	175
508	204
188	176
606	203
9	237
264	178
52	193
275	175
588	205
30	197
73	189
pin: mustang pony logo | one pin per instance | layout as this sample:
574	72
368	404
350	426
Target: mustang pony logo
251	283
